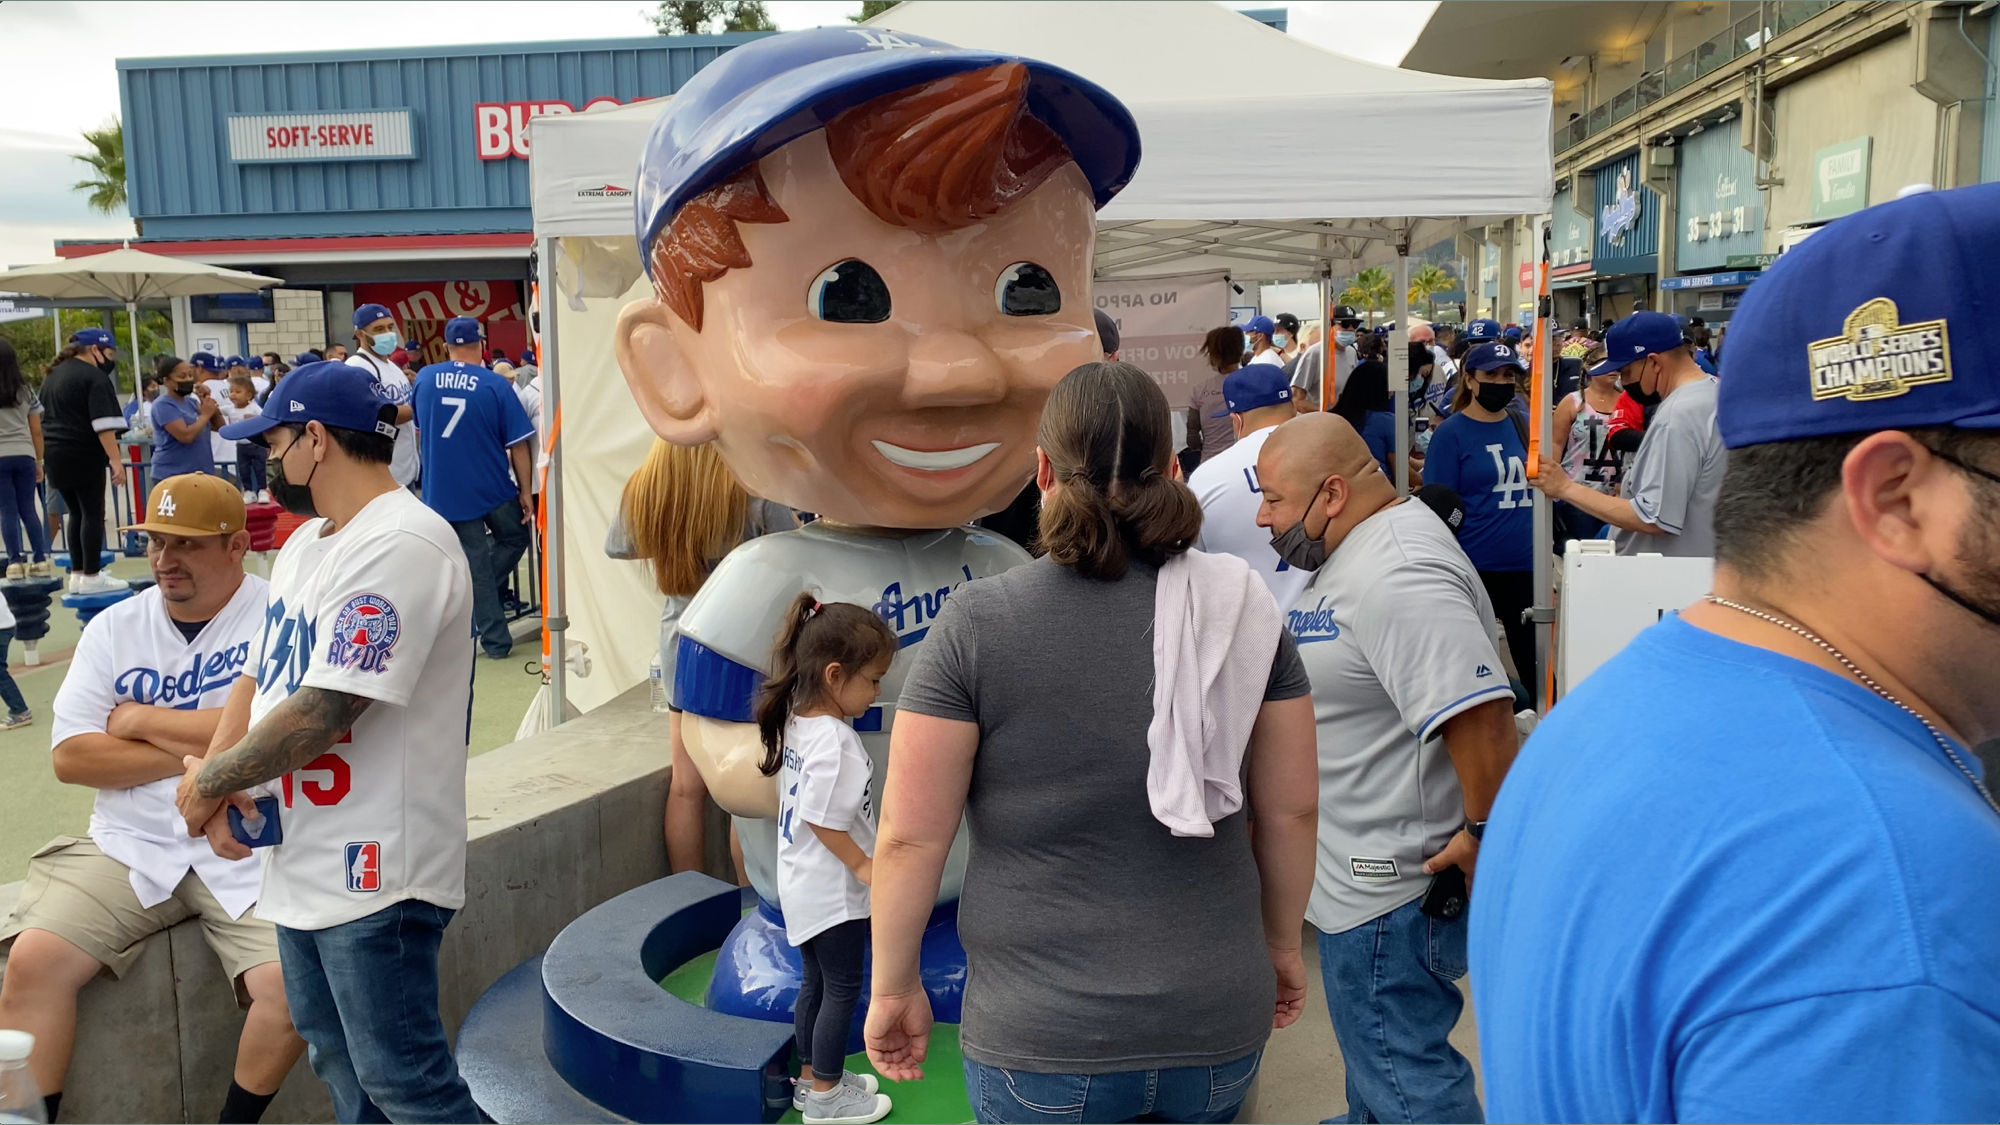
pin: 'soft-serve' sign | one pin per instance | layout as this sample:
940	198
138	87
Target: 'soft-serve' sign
365	134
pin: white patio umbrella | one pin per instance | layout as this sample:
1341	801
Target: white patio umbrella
129	276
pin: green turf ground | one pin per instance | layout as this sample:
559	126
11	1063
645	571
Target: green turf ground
939	1097
34	806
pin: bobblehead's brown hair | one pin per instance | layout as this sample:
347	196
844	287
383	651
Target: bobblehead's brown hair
1106	433
936	157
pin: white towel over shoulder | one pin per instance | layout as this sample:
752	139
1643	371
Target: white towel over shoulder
1215	632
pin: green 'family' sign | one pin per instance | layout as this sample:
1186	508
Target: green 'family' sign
1840	178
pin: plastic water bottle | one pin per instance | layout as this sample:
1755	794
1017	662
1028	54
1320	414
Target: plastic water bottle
656	676
20	1101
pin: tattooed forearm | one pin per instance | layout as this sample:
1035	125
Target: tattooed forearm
298	730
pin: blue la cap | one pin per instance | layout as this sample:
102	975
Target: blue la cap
254	363
234	361
303	358
1492	357
462	330
93	338
759	97
1511	334
207	361
1262	324
1253	388
1636	337
528	355
369	314
1879	321
1482	329
329	392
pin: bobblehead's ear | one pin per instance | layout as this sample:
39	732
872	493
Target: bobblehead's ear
661	377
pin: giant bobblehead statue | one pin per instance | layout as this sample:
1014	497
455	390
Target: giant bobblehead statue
870	256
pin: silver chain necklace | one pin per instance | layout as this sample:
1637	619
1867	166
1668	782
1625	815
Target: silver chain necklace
1868	681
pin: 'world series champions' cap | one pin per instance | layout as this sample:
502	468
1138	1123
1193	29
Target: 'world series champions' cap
1882	320
761	96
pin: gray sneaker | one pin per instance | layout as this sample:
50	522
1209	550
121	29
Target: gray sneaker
802	1086
845	1105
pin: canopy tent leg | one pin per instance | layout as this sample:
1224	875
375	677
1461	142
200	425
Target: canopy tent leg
1541	400
555	603
132	322
1399	361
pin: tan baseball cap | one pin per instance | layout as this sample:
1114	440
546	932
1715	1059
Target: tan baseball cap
192	504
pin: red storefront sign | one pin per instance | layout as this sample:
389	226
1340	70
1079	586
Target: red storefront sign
502	127
1528	276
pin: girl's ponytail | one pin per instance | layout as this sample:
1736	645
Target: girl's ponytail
774	699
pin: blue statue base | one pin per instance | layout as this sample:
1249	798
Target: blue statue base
757	971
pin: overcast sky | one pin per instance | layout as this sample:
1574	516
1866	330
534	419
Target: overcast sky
60	78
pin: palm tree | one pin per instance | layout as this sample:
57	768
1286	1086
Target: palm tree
1426	284
106	162
1373	289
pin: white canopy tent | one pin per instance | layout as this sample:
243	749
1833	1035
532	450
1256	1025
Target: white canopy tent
1374	160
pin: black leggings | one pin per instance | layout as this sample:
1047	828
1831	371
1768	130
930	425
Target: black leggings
78	474
1513	592
832	985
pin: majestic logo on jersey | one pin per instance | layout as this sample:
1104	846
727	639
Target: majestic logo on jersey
364	866
164	687
911	616
364	631
1875	356
1315	624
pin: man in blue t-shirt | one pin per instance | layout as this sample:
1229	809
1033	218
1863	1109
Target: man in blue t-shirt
1750	870
473	438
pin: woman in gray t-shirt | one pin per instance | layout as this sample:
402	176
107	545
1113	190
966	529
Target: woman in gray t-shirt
20	470
1114	969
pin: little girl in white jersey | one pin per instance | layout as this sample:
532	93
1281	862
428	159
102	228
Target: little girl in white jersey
827	670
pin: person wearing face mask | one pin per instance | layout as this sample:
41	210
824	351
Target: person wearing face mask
1305	371
1671	485
376	339
1481	452
1397	637
183	417
1253	402
1776	897
81	421
1258	343
1286	338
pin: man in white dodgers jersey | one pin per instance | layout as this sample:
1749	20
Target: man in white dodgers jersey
356	706
1258	399
145	686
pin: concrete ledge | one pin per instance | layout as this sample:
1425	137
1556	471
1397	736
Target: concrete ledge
556	824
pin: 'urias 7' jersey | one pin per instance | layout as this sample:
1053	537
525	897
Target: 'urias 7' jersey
380	609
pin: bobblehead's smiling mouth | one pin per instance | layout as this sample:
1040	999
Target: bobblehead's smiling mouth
935	461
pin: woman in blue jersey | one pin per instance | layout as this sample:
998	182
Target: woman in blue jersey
1481	452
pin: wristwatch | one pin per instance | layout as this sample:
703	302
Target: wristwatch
1476	829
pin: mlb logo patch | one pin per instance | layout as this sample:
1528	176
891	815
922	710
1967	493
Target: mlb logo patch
364	866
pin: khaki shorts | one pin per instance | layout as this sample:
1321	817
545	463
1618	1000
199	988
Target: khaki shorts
85	897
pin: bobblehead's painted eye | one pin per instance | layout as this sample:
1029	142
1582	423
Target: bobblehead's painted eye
1026	289
850	292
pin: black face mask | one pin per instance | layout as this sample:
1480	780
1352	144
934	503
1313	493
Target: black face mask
294	498
106	363
184	389
1641	397
1494	396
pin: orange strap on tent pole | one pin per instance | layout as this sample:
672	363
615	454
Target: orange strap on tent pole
542	529
1541	354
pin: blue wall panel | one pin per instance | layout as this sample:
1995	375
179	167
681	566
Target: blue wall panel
183	184
1625	247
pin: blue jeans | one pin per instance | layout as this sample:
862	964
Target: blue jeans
1192	1094
364	995
492	558
10	692
18	490
1390	990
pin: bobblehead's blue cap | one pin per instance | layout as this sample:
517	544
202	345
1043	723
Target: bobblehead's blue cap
1253	388
761	96
1882	320
1482	329
369	314
1493	357
1262	324
462	330
1638	336
93	338
207	361
328	392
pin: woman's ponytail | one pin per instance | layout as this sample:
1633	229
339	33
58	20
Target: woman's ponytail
814	638
774	699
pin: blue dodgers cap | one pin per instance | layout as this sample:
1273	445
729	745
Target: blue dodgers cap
234	361
1880	321
1511	333
1492	357
1482	329
329	392
254	363
761	96
1262	324
1638	336
207	361
93	338
369	314
462	330
1253	388
303	358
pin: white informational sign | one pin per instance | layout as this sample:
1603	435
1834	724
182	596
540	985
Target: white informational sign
1161	322
347	134
1608	599
1240	315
